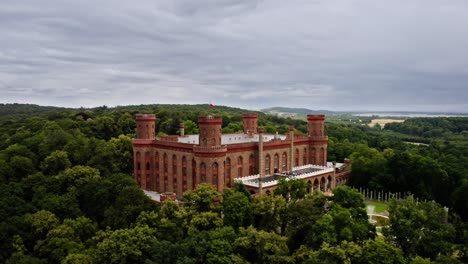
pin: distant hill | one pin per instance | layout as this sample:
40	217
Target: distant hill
286	111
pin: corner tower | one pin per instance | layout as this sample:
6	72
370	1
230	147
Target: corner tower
145	126
143	163
318	141
250	123
210	131
316	125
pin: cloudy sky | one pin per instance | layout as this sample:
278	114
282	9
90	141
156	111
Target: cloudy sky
319	54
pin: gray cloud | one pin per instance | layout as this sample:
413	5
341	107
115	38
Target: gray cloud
327	54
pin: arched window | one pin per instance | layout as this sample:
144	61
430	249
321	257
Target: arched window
147	166
166	168
174	172
213	142
284	162
203	172
304	157
194	174
251	165
184	173
214	171
313	156
156	170
204	142
267	164
276	163
227	180
322	156
240	167
296	158
138	158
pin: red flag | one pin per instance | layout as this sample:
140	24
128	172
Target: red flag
212	105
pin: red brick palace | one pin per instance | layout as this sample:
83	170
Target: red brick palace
178	163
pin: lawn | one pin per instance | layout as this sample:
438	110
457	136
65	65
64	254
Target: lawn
380	206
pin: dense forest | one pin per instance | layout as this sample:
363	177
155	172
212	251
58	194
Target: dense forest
67	194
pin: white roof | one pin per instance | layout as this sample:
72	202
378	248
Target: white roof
236	138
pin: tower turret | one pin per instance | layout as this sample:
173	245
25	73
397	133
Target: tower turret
210	131
318	141
316	125
145	124
250	123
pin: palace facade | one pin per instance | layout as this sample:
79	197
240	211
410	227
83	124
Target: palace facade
178	163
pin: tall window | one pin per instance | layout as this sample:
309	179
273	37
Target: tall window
276	163
312	156
184	173
304	157
296	158
322	156
214	170
194	174
166	168
240	162
203	172
251	165
227	180
138	158
156	170
174	172
267	164
283	162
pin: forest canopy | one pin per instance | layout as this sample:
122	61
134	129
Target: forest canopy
68	195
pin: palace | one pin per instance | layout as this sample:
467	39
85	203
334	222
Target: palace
177	163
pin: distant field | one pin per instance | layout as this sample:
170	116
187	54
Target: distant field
383	121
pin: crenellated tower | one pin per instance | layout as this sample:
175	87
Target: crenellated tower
210	131
209	154
145	124
143	152
250	123
318	140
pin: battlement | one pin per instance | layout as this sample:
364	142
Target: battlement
145	117
315	117
250	115
210	120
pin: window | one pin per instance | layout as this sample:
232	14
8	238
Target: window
214	170
174	172
203	172
251	165
296	158
267	165
284	162
276	163
194	174
239	166
156	169
184	173
304	157
227	180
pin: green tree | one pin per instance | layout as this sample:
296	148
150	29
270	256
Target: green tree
56	162
378	252
129	245
292	188
261	247
237	210
202	198
419	228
